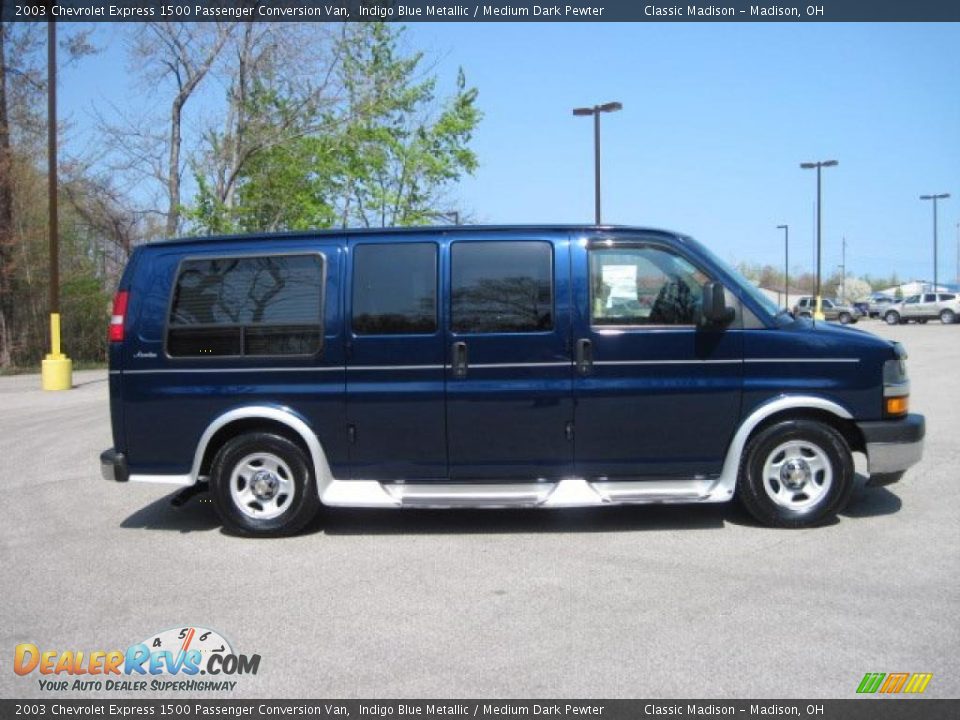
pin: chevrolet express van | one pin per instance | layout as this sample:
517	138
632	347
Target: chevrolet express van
488	367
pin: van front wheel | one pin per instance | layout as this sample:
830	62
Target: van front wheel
262	485
796	473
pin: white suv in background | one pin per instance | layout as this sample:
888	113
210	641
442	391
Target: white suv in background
928	306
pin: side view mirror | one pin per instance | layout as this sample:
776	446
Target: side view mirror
713	308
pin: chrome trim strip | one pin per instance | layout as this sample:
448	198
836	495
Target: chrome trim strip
484	366
801	360
319	368
180	480
396	367
478	366
666	362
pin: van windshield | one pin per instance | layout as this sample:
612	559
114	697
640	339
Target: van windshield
748	287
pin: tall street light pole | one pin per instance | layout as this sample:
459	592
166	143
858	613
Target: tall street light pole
595	111
786	264
56	369
941	196
818	313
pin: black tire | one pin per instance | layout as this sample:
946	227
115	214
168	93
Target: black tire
754	491
948	317
284	513
845	318
892	318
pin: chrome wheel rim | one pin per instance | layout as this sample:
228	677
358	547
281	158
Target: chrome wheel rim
797	475
261	486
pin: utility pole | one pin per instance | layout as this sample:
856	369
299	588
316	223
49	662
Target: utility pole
56	370
941	196
818	312
786	264
843	271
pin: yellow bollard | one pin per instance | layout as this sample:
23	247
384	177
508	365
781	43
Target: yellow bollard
56	370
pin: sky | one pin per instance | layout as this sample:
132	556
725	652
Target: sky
716	119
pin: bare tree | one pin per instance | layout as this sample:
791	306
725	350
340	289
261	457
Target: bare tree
21	85
183	53
279	83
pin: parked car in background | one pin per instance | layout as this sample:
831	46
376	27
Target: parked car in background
832	310
862	308
920	308
878	304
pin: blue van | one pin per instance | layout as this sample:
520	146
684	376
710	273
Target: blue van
538	366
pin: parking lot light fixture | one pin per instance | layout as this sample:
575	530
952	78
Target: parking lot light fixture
786	264
934	198
818	311
595	112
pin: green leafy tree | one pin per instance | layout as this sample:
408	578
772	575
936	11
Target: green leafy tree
383	153
398	158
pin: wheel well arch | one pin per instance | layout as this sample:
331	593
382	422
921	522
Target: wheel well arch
261	418
847	428
243	426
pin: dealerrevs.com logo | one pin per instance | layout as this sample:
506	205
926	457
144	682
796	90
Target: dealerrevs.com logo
168	661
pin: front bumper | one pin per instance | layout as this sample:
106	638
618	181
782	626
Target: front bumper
893	445
113	466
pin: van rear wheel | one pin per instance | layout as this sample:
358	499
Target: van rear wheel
263	485
796	473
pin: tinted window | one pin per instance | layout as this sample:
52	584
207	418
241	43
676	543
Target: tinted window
501	287
947	296
643	286
395	288
929	297
912	299
247	306
827	304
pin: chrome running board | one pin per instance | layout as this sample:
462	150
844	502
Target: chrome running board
570	492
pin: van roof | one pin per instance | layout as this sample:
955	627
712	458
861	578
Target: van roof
422	229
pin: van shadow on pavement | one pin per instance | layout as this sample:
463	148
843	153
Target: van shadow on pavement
198	515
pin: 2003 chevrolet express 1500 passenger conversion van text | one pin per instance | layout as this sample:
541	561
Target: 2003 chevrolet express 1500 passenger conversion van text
488	367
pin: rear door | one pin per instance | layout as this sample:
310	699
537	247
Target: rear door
395	361
928	306
655	396
911	306
509	382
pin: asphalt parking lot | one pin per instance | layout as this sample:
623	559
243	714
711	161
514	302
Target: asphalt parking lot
621	602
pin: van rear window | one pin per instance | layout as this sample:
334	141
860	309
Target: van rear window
269	305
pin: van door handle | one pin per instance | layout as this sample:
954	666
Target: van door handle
584	356
460	359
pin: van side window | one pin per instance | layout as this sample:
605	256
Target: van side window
269	305
395	289
501	287
642	286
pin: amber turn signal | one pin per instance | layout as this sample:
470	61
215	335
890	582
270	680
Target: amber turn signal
897	405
